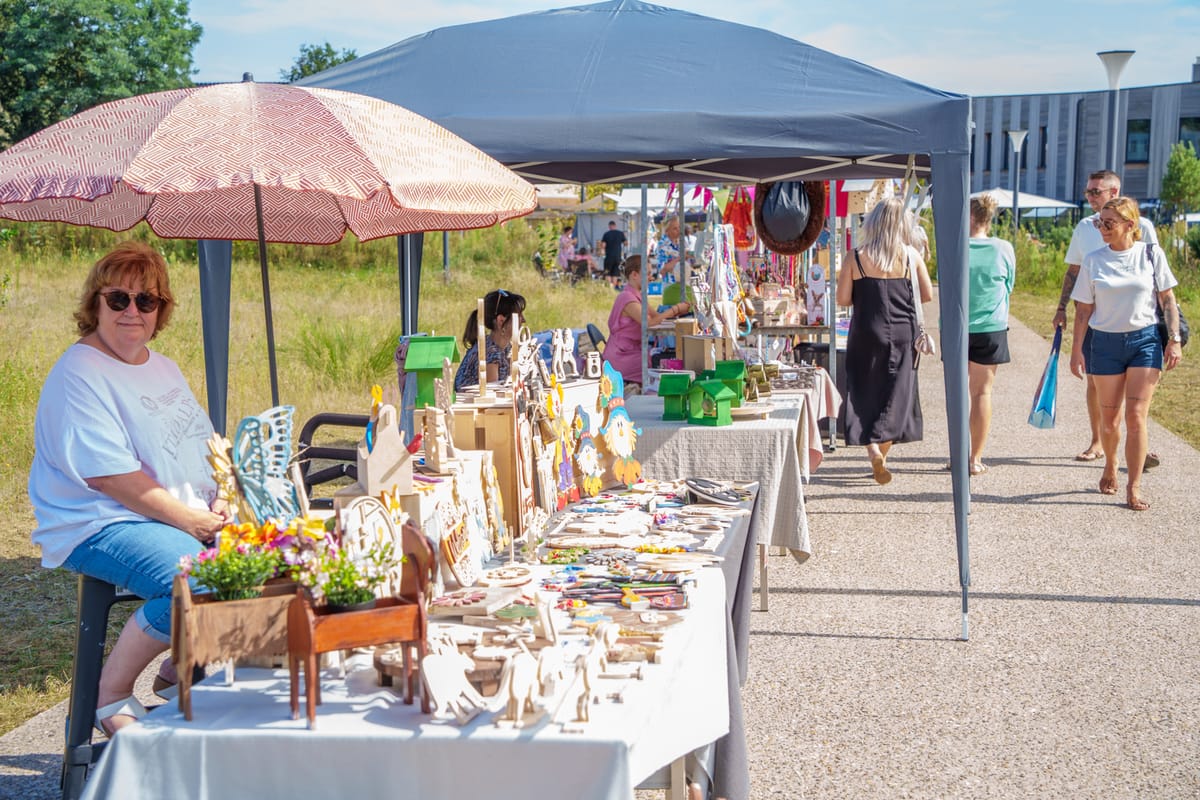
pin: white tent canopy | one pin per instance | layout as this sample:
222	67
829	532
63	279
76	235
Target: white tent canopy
1004	199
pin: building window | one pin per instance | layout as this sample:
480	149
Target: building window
987	152
1189	131
1005	147
1044	147
1137	141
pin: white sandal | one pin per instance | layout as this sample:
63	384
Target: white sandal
126	707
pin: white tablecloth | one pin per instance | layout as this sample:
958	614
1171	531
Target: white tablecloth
766	451
242	742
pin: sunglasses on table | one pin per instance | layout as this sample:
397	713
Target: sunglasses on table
118	300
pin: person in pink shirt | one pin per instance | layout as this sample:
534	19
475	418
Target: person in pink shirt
624	347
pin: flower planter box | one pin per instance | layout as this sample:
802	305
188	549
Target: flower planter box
315	630
205	630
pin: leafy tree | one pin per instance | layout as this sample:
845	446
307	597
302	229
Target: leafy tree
1181	181
59	57
314	59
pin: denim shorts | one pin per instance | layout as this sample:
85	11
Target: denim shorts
1113	353
143	557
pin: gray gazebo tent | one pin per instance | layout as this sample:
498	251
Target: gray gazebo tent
624	92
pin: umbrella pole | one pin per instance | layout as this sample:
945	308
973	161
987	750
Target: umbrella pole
266	284
965	627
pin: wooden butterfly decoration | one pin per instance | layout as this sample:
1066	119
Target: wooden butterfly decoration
251	472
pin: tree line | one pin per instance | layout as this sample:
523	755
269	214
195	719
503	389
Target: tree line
60	57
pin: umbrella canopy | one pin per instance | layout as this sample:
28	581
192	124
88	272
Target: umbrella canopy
187	161
263	161
1004	199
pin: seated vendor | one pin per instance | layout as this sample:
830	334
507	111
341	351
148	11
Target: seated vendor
584	265
624	347
498	308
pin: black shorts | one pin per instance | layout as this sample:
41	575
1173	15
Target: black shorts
988	348
613	268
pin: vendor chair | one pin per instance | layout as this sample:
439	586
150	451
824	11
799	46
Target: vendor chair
96	599
597	337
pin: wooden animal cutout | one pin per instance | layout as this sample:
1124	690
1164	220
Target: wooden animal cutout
385	464
519	686
448	688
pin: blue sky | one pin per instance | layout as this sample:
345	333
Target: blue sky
979	48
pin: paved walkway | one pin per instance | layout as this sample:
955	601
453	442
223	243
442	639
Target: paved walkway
1082	675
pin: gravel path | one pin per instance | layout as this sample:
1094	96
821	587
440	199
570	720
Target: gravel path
1081	678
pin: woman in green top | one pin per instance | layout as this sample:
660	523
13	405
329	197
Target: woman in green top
992	270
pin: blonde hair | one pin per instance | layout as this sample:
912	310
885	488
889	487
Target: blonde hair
132	262
983	210
1127	209
885	233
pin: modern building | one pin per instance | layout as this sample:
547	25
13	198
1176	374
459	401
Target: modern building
1070	135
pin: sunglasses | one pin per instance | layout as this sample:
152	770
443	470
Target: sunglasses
118	300
1096	192
1109	224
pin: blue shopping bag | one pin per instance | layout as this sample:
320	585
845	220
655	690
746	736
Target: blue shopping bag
1042	413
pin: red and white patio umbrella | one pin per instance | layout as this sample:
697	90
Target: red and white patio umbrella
272	162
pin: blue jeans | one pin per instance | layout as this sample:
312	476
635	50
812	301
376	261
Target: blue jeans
142	557
1112	353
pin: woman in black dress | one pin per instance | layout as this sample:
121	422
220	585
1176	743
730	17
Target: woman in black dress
882	403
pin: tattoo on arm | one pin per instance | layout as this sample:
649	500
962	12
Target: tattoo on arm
1068	285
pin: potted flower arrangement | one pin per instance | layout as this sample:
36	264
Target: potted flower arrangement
233	570
343	582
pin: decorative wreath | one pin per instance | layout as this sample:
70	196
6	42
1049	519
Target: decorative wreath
812	226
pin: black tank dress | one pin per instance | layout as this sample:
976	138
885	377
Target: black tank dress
882	400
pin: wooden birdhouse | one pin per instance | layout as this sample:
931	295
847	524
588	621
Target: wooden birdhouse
673	389
733	374
425	357
709	403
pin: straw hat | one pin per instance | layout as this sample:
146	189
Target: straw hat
790	234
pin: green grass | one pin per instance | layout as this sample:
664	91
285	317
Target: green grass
337	320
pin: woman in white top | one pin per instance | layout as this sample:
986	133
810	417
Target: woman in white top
119	480
1116	338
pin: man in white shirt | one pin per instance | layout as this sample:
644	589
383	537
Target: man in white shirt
1102	186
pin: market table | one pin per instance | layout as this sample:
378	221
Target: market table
242	741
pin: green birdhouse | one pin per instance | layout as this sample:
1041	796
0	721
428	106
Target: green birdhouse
733	374
673	389
425	355
709	403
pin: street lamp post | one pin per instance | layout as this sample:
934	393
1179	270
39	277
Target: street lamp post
1018	139
1114	64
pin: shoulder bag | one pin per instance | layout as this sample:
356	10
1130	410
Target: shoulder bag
1164	335
923	344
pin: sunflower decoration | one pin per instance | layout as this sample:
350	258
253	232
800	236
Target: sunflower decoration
588	470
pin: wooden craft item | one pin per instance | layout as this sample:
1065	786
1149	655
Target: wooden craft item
440	454
312	631
519	686
481	349
512	575
471	602
619	433
449	690
592	366
205	630
387	466
457	555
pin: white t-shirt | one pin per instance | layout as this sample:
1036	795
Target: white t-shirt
1121	287
1087	238
99	416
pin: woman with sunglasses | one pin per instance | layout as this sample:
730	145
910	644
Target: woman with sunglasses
119	481
498	309
1116	337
